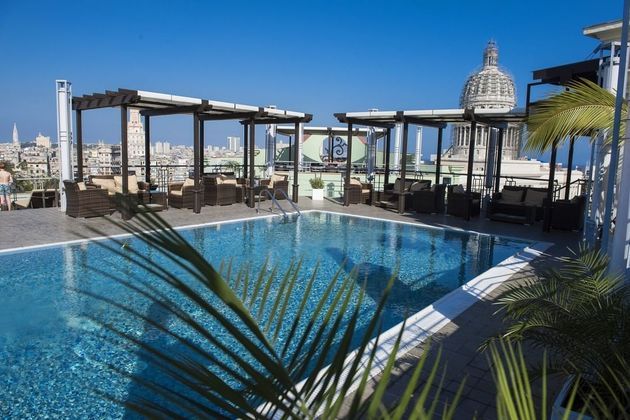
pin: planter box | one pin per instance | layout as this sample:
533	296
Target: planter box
318	194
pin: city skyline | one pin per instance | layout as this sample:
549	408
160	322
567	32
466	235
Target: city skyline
311	73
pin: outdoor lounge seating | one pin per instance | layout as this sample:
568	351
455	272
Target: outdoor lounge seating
389	196
219	190
358	192
275	183
181	195
139	190
83	201
517	204
429	200
568	214
460	204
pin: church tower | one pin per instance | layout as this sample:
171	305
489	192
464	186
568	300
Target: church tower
16	137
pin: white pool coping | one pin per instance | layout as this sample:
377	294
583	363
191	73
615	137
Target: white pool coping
418	327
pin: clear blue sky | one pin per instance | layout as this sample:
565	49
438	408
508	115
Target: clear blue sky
319	57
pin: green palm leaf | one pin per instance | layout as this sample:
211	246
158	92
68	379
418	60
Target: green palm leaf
266	376
580	110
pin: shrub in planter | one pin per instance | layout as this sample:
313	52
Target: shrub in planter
580	314
317	184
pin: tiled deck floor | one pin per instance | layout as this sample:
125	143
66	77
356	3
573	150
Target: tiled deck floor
459	340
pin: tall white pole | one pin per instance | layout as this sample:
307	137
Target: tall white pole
270	146
418	156
614	152
299	140
397	141
64	136
620	252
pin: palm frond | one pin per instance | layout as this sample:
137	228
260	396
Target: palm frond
262	369
578	111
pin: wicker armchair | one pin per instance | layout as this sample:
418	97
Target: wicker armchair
359	192
429	200
568	214
219	190
459	204
275	183
181	195
88	202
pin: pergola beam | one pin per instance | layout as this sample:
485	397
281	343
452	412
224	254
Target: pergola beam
174	110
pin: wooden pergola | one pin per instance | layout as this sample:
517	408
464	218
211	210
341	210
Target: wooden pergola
439	118
154	104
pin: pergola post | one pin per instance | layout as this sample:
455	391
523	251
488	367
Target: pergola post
245	148
388	141
471	161
346	184
569	169
497	185
79	146
252	169
552	177
438	160
296	159
403	169
202	145
147	149
196	166
125	210
330	145
124	151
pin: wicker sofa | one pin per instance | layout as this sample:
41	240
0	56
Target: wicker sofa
84	201
391	191
358	192
181	195
518	204
138	190
219	190
458	203
429	200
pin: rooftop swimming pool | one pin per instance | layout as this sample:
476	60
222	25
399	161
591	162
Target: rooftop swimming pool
53	358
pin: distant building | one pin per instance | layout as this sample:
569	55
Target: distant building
489	88
16	137
135	135
234	144
162	148
42	141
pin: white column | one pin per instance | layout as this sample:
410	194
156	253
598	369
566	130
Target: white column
397	141
371	154
620	252
270	141
64	136
299	139
418	148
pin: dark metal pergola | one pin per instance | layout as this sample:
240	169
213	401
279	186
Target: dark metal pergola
154	104
429	118
560	76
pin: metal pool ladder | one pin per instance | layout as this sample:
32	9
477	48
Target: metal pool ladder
275	201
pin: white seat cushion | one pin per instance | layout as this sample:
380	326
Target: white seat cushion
132	184
176	192
81	186
189	182
105	183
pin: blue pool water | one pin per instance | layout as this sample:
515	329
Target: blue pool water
53	358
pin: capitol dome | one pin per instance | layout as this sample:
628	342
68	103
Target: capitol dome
489	87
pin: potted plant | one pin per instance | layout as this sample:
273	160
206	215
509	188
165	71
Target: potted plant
317	184
579	314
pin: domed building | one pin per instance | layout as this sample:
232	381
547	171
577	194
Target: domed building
488	88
